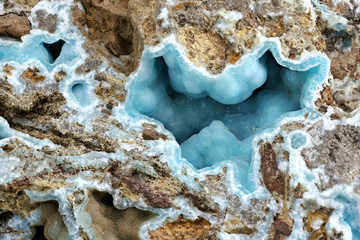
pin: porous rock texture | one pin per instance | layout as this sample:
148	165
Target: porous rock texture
115	180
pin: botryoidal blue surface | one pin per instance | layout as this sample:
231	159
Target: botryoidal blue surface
215	117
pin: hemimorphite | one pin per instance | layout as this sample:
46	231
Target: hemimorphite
298	140
79	90
212	144
233	87
186	99
39	48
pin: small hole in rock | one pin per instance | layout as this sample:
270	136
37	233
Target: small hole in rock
79	90
53	49
5	216
109	222
39	235
51	224
104	198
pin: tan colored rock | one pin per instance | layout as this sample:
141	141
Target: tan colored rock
183	229
235	226
27	4
109	222
108	22
205	48
8	69
33	75
321	215
50	217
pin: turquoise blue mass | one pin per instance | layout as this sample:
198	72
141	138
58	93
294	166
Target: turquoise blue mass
216	116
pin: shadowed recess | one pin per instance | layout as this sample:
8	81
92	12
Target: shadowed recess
3	132
51	224
39	234
53	49
47	52
108	222
80	91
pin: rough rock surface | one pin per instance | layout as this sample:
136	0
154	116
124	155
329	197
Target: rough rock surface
338	151
13	25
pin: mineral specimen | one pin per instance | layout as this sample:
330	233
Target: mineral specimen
172	119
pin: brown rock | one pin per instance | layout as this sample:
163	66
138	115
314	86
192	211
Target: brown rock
78	17
13	25
273	178
107	22
32	74
282	227
322	214
151	134
139	185
233	57
199	202
327	96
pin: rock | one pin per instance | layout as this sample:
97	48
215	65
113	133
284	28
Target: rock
273	178
46	21
14	26
184	229
32	74
151	134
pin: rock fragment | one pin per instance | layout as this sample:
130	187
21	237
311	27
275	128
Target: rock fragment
14	26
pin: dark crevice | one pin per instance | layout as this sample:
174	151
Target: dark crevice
39	235
54	49
5	216
50	218
104	198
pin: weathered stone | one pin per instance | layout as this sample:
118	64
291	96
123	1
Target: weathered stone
338	152
181	228
273	178
47	21
151	134
14	26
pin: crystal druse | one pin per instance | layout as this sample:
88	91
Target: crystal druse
179	119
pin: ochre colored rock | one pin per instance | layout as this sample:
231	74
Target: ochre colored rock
183	229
